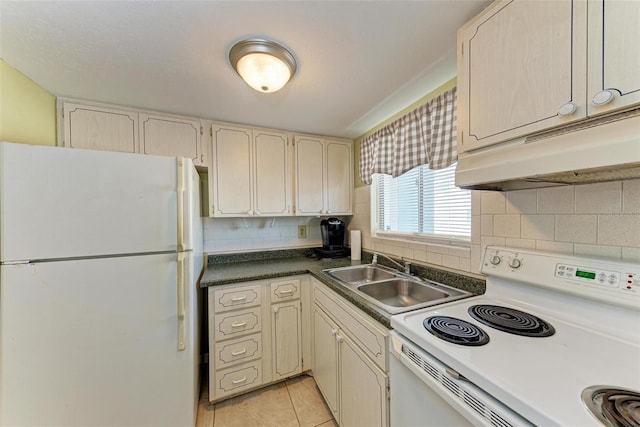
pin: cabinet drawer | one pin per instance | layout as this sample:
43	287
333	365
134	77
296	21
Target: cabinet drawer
367	335
238	323
231	299
236	379
240	350
286	290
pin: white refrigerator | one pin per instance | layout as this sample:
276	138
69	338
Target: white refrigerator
100	257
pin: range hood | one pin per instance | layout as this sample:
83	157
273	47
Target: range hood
599	150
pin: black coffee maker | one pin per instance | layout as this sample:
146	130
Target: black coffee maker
332	230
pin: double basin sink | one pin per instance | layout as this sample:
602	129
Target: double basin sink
393	291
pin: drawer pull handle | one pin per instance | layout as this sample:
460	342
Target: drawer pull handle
287	292
241	380
238	353
238	325
236	299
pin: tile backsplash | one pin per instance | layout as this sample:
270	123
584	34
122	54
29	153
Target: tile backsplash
226	235
601	220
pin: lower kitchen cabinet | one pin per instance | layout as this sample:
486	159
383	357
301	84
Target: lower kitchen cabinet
349	361
363	388
255	334
286	339
325	358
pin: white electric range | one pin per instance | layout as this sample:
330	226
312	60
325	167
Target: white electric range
584	318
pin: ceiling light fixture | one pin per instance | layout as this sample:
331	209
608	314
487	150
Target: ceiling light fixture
264	65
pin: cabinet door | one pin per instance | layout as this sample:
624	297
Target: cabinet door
98	128
272	177
325	358
363	388
309	176
519	62
286	339
339	177
614	55
232	171
168	136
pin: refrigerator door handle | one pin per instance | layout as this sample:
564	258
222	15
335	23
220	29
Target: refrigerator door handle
181	312
181	206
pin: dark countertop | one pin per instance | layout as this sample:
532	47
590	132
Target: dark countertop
223	270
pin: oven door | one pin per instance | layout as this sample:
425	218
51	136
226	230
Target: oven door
423	391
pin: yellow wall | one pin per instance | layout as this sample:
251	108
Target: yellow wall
27	111
428	97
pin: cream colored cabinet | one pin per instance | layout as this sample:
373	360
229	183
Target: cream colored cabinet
256	333
310	175
236	339
526	66
250	172
286	339
111	128
324	176
272	180
363	387
231	182
172	136
325	358
99	128
286	328
521	68
339	177
349	361
614	55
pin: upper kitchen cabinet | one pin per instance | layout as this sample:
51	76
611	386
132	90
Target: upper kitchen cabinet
98	128
521	68
250	172
614	55
112	128
172	136
324	176
528	66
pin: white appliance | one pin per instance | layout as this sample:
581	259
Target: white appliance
100	257
598	150
584	318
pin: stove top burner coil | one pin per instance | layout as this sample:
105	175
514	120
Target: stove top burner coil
615	407
511	320
455	330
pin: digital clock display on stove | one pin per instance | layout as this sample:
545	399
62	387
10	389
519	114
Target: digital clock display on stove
585	274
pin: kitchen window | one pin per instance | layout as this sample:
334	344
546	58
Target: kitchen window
422	205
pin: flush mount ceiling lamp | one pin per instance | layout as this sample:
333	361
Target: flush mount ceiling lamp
264	65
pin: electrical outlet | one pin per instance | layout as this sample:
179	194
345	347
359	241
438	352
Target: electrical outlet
302	232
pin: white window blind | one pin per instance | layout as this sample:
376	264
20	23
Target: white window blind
423	202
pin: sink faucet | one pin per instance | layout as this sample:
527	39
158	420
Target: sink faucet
406	268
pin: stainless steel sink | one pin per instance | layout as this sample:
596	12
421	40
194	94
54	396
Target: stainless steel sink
362	274
393	291
402	292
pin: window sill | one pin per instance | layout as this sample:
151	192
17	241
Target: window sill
420	238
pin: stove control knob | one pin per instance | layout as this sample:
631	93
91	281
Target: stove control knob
515	263
495	260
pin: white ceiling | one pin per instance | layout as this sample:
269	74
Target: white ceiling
359	61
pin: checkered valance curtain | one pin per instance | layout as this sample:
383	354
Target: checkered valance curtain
426	135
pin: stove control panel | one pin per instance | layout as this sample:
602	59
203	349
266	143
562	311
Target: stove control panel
601	279
589	275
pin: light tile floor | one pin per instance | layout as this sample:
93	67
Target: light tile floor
296	402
